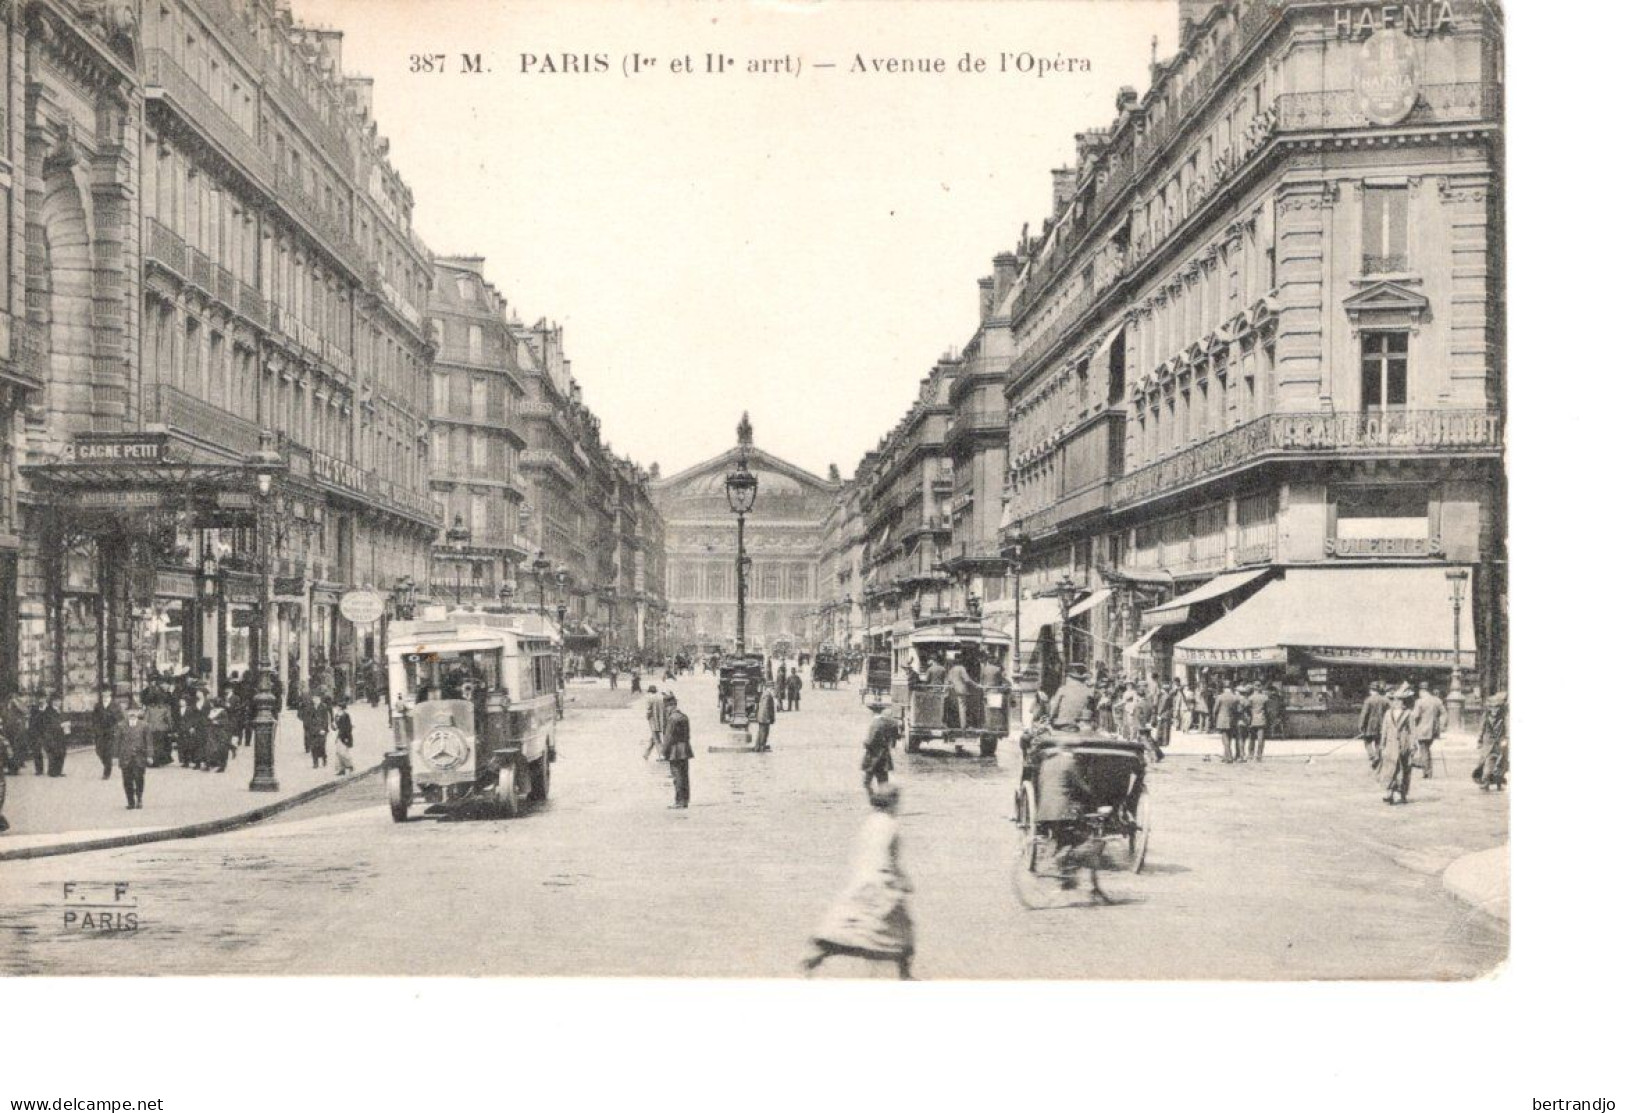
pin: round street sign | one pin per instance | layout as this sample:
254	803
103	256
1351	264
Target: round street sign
361	607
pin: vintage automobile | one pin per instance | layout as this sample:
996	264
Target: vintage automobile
477	714
935	711
739	688
826	670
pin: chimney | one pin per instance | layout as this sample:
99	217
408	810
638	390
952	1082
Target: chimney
333	43
1004	276
1191	15
984	291
1127	98
361	88
1063	182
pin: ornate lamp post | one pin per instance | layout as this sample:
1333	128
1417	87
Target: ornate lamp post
741	485
1067	592
1013	557
539	567
1456	698
266	466
458	538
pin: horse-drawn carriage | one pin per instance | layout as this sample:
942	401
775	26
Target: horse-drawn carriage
826	669
1082	804
739	688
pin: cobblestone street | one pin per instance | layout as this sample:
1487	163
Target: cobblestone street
1289	869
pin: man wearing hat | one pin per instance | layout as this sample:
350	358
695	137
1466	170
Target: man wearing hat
1398	746
1371	713
1071	705
1258	709
1226	713
1429	723
878	742
678	751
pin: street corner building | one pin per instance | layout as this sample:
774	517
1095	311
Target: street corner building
1235	408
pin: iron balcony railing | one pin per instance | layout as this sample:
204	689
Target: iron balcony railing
171	406
201	110
1398	433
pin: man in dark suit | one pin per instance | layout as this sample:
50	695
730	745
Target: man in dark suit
1227	714
104	718
1371	713
678	751
767	712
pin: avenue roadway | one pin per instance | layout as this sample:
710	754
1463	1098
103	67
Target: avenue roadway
1289	869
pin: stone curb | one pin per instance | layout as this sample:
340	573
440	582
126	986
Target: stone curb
190	830
1481	880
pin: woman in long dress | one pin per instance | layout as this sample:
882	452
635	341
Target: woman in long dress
870	919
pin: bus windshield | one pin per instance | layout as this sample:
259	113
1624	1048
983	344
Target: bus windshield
451	674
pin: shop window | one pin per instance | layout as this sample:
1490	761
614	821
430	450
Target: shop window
1384	371
1384	228
1388	512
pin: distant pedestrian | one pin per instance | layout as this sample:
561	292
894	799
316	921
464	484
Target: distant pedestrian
1226	712
1398	746
1258	708
1429	715
781	686
53	729
104	718
871	920
219	737
316	721
1371	713
14	728
679	753
344	728
655	712
767	713
878	743
133	740
792	688
637	681
1493	745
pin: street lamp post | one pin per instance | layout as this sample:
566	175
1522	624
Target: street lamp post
1067	592
458	538
1016	540
741	485
1456	698
539	568
265	466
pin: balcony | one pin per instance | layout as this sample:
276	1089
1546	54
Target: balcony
333	236
292	102
166	248
1070	507
1299	435
1435	104
993	421
199	420
187	99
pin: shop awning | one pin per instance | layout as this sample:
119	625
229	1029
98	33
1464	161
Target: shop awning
1178	609
1389	617
1142	646
1084	606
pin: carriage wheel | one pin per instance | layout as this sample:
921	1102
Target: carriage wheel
400	794
508	791
1140	838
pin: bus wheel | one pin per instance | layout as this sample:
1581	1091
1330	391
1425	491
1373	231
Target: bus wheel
540	776
508	791
400	794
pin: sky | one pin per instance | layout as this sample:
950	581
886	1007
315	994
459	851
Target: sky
803	246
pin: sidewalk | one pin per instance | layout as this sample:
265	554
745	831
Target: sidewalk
1454	748
81	811
1483	880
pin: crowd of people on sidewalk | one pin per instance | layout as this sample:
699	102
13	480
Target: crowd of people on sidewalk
172	721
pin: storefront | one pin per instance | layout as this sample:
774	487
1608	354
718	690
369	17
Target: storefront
1325	634
1161	626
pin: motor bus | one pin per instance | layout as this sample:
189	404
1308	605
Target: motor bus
476	712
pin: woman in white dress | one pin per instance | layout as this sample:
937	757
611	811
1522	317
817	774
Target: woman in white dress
870	919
